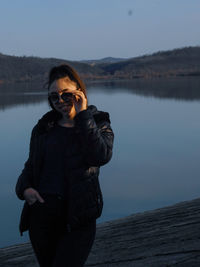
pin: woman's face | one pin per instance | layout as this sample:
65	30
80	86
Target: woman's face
57	88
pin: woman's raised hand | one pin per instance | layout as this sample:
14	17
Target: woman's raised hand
31	196
80	101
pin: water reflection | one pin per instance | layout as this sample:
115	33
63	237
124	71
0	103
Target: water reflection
12	95
184	88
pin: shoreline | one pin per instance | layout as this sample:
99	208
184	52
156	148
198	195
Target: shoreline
107	79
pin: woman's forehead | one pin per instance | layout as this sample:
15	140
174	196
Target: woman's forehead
61	84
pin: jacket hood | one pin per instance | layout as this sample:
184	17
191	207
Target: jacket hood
49	119
99	115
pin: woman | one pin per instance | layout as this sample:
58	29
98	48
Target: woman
59	182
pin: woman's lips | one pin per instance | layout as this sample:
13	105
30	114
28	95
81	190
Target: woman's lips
65	106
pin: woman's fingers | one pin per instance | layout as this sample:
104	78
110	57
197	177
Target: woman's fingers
81	101
38	197
78	94
77	98
30	199
31	196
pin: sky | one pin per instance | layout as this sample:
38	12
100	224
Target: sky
94	29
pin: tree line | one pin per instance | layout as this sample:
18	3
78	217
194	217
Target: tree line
177	62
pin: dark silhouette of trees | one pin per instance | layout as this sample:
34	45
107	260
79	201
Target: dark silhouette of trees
177	62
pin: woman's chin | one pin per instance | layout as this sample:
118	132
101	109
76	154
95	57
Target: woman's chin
65	109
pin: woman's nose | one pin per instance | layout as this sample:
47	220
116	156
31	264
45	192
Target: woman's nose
60	99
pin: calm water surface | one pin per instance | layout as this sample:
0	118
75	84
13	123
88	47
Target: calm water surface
156	149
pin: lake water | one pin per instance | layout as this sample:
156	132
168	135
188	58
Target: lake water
156	148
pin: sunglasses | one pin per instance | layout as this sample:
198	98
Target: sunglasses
55	97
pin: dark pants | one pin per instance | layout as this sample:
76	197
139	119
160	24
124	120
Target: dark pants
53	245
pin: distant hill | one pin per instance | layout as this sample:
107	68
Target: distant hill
177	62
23	69
103	60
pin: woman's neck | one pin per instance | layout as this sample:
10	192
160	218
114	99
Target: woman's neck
66	122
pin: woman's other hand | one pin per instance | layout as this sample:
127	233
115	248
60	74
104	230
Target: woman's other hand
31	196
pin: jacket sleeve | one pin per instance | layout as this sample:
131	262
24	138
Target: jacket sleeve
97	139
25	178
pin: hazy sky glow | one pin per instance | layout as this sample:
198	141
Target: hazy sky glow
93	29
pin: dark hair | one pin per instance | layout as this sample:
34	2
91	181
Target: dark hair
62	71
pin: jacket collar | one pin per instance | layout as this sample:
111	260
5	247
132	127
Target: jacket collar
50	119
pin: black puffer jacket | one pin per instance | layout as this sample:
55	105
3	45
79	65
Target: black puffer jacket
92	142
